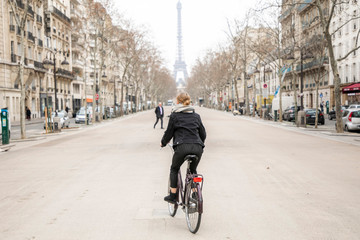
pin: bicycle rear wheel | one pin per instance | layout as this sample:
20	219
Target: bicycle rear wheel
172	207
193	207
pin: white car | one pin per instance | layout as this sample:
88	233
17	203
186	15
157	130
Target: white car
64	119
351	119
80	115
9	125
354	106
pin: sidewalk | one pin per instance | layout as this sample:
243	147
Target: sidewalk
27	122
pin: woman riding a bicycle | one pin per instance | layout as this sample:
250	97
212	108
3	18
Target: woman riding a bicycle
188	133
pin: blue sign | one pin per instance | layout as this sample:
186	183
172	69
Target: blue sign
321	95
277	90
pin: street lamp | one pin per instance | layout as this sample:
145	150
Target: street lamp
48	63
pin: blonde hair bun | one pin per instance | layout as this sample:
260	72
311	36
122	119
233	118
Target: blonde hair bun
184	98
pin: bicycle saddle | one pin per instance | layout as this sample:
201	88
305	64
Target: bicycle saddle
191	158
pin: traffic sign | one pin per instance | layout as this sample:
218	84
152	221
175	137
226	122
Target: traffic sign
96	96
265	85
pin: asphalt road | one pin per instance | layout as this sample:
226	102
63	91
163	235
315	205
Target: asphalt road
108	182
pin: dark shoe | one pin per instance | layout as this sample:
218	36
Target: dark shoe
162	128
170	198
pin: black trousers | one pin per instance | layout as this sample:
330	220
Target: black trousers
157	120
180	153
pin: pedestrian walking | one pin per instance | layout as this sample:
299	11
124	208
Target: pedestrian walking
159	111
67	109
28	113
322	106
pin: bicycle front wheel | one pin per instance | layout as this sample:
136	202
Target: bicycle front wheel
193	207
172	207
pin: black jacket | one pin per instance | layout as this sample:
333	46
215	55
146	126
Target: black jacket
157	112
184	128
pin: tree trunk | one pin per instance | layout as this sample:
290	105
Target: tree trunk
254	96
295	97
237	100
246	94
22	87
334	67
317	104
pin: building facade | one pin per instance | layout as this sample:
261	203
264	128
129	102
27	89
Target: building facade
307	56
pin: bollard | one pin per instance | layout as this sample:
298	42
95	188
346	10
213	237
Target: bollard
275	115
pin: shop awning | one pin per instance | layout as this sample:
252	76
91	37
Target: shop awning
89	100
352	88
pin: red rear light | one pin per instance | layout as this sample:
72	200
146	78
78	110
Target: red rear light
350	116
321	114
197	179
307	115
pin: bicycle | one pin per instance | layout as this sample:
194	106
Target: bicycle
189	198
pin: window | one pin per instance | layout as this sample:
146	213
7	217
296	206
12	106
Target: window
340	50
11	18
354	72
19	51
12	47
29	53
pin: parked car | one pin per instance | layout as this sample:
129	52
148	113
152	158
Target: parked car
9	126
64	119
289	113
351	119
311	116
354	106
332	113
81	117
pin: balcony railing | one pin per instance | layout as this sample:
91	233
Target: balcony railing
316	62
64	72
39	65
12	28
60	14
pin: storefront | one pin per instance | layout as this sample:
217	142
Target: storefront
351	94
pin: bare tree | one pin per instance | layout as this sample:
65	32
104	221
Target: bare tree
20	13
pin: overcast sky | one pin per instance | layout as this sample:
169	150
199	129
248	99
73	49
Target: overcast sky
204	23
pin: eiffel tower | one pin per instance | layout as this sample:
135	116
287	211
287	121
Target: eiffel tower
180	72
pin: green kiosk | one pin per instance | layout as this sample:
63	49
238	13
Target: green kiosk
5	126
